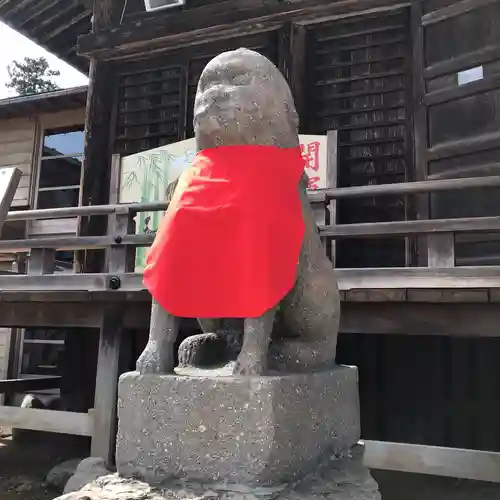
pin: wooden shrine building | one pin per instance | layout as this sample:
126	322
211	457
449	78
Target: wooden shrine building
412	89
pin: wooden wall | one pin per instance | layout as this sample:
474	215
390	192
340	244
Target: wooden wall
17	148
459	122
20	141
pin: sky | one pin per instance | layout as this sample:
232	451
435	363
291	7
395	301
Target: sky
17	47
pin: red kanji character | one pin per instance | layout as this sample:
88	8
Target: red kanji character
311	156
312	182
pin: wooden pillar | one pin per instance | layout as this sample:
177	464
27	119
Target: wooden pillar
99	135
106	391
298	71
422	201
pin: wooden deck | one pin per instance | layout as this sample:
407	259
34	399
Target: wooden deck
81	301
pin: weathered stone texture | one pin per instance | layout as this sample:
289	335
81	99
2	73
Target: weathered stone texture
338	478
250	430
88	470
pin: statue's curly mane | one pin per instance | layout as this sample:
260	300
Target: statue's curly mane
169	192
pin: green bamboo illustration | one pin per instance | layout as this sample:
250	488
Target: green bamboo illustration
151	175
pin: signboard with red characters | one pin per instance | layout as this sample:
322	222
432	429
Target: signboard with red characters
314	152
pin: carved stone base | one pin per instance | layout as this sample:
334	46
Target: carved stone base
253	431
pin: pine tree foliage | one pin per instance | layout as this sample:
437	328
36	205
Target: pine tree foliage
31	76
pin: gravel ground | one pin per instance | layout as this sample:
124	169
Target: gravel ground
22	472
23	468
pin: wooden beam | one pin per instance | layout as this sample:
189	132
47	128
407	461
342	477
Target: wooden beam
416	277
298	42
469	60
66	26
7	9
371	311
349	279
421	318
53	17
466	146
33	10
69	314
9	181
211	22
29	384
62	422
455	9
427	186
106	13
332	160
459	92
402	228
42	261
441	250
433	460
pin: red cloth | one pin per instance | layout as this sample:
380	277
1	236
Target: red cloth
230	241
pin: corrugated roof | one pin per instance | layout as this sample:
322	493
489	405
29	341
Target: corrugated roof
53	24
14	107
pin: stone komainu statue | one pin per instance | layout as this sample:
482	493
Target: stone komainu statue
243	100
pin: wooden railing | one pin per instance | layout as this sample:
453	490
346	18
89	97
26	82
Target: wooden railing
121	243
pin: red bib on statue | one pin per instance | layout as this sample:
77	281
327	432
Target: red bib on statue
230	241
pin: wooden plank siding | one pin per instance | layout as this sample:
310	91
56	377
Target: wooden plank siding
20	141
17	149
459	123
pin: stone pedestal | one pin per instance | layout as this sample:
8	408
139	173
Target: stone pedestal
252	431
336	478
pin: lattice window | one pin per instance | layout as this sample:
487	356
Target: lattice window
359	85
149	108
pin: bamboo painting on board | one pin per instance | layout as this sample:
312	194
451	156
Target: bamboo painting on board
145	176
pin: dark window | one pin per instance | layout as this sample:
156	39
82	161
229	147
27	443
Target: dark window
61	168
42	351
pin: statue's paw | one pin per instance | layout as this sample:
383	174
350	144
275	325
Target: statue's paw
275	358
205	349
153	360
249	365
